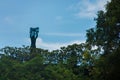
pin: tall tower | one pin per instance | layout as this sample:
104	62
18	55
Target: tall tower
33	36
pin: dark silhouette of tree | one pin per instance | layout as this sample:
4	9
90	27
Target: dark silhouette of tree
106	37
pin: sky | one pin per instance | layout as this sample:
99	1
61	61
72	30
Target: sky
60	22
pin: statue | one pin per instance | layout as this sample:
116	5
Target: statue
33	36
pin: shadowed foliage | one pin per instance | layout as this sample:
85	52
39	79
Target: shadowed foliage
96	59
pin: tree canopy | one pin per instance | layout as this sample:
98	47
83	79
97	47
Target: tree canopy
74	62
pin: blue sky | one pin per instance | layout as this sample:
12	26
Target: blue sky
60	22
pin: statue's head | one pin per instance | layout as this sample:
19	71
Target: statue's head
34	31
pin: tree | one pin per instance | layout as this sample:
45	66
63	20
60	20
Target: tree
106	37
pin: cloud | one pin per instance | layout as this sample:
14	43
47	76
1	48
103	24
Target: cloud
86	8
65	34
53	46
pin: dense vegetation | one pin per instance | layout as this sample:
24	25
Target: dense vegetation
96	59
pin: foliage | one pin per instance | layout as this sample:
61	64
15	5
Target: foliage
96	59
106	36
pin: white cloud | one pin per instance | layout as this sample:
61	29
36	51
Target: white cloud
86	8
53	46
65	34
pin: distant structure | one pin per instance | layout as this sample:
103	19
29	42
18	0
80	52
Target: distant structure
33	36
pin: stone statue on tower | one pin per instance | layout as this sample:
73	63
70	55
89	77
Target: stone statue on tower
33	36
